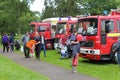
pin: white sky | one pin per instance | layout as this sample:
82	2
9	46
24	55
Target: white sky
38	5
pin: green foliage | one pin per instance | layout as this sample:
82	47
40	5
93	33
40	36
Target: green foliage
97	6
12	71
15	15
57	8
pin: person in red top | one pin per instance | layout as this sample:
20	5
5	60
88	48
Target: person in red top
63	39
47	34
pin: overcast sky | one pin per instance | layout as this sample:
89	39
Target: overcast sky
38	5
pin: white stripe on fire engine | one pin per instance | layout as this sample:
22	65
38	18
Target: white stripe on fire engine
88	51
113	34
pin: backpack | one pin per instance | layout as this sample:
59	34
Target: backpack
70	45
5	39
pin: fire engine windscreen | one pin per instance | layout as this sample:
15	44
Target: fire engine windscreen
41	28
90	26
62	26
31	29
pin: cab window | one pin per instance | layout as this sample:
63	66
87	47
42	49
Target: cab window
107	26
118	25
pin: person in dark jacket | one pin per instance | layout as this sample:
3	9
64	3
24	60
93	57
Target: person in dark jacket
5	41
17	45
11	42
116	48
37	46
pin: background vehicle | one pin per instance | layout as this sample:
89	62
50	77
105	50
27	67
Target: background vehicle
101	32
53	21
64	25
42	27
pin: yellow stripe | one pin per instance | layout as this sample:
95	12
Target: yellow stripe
113	34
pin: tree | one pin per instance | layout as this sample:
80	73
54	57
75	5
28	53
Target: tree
77	7
57	8
15	15
97	6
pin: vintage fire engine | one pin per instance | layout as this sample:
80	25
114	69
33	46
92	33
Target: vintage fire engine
99	35
64	25
44	27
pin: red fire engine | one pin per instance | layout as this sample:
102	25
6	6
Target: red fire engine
100	33
42	27
64	25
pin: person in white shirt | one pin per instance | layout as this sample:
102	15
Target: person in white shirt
42	44
80	29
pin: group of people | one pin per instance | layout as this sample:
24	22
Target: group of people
8	43
33	45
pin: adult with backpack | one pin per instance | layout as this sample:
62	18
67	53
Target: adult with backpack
5	42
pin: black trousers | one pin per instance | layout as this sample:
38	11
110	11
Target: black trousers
5	46
26	51
37	51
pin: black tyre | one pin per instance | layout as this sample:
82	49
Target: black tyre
114	58
49	45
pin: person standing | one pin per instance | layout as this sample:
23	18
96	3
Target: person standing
53	37
116	48
37	46
25	39
80	29
42	43
5	42
11	42
75	50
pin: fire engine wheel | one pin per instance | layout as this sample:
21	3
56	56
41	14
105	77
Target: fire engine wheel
114	58
49	45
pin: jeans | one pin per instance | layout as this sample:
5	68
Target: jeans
118	58
42	46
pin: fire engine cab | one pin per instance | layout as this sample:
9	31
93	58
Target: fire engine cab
44	27
64	25
99	35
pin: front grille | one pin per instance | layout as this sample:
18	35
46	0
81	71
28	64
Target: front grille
86	43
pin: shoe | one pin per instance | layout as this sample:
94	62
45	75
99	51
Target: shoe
74	71
38	59
27	57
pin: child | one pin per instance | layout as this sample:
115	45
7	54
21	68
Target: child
17	45
31	46
64	52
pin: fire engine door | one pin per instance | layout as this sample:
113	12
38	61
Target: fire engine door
107	26
103	32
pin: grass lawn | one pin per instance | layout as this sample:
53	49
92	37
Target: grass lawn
12	71
103	70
